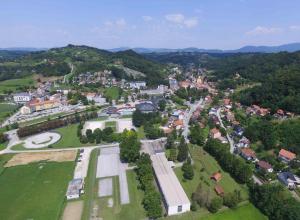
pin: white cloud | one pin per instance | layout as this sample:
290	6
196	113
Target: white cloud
181	21
147	18
260	30
118	24
294	27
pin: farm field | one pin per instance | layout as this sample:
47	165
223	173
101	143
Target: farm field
36	191
14	84
204	166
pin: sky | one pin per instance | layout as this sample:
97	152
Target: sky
209	24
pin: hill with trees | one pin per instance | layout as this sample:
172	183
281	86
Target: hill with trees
57	61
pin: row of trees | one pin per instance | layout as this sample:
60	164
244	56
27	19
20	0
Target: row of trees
145	175
237	167
203	198
96	136
52	124
275	202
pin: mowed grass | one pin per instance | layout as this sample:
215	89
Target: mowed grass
244	212
133	210
14	84
6	109
34	191
68	138
204	166
112	93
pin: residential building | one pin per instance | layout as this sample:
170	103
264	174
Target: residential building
289	179
25	110
264	166
137	85
145	107
286	156
215	133
216	176
22	97
219	190
248	154
173	84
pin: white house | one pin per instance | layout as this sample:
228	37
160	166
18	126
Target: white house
137	84
25	110
22	97
175	199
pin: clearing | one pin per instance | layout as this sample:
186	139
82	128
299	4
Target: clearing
26	158
34	191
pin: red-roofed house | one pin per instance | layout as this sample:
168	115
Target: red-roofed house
219	190
215	133
216	176
248	154
265	166
286	156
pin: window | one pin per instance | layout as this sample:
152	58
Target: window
179	208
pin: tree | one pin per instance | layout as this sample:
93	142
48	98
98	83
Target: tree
232	199
137	118
162	105
129	146
3	137
107	134
173	154
196	135
188	171
152	204
182	151
215	204
90	136
98	135
170	142
201	196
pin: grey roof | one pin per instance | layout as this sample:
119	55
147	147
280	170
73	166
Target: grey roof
169	184
74	187
145	107
22	94
284	176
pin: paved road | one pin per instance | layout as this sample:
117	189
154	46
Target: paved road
187	118
231	142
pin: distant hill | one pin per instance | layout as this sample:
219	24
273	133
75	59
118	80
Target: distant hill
56	62
293	47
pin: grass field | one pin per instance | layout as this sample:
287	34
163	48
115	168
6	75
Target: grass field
244	212
205	165
14	84
69	137
5	110
3	159
112	93
34	191
134	210
112	124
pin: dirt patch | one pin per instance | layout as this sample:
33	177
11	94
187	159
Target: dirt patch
26	158
73	211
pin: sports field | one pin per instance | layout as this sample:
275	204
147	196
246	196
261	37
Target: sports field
34	191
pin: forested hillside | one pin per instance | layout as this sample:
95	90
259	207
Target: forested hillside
56	62
277	75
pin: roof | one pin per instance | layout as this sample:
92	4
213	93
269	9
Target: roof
219	190
170	186
22	94
216	176
287	154
285	176
74	187
178	122
214	131
145	106
265	165
248	152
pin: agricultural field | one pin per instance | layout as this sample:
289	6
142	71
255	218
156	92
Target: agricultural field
6	109
34	191
204	166
14	84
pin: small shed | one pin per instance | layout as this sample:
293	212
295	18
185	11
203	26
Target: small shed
216	176
219	190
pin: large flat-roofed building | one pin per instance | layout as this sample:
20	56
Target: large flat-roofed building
74	189
175	199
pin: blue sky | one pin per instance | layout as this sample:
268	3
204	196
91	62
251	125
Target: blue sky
222	24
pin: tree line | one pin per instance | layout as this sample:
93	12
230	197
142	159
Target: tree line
237	167
56	123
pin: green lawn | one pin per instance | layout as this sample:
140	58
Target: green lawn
34	191
68	138
244	212
112	93
112	124
14	84
3	159
5	110
204	166
134	210
141	132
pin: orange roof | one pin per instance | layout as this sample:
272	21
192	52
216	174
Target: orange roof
287	154
214	131
216	176
178	122
226	101
248	152
219	190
